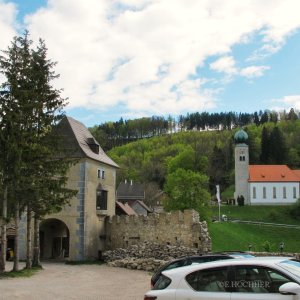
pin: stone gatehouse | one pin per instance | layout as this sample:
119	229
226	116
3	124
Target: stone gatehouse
87	226
175	228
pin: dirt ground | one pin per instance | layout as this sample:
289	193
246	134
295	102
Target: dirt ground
87	282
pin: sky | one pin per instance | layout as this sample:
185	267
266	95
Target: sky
138	58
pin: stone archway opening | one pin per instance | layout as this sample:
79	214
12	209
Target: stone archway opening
54	239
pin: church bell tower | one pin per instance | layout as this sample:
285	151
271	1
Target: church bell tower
241	166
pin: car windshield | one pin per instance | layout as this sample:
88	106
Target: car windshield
292	266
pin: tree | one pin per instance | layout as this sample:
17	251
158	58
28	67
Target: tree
187	190
31	110
256	119
184	160
278	149
265	146
220	165
292	115
13	65
264	118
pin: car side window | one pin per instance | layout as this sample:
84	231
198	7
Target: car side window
208	280
257	279
277	279
175	264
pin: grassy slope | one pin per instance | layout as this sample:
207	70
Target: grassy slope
234	236
262	213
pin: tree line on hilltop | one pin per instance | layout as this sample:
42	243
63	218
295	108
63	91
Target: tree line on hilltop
112	134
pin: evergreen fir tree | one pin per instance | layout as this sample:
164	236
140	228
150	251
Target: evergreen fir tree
30	109
278	149
265	146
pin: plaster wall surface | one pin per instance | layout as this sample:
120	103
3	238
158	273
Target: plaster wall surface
85	223
270	197
242	171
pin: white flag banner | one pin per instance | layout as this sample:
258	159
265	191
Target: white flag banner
218	194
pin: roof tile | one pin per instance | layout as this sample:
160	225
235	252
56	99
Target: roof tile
273	173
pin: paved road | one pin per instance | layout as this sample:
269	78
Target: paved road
85	282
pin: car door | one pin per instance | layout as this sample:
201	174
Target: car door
258	283
204	285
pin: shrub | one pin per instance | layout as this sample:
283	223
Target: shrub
240	201
266	246
295	210
273	215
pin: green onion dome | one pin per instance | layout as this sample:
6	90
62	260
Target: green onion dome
241	136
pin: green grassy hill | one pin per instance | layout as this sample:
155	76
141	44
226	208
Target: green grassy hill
237	236
262	213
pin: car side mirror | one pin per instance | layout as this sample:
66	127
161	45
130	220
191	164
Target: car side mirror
290	288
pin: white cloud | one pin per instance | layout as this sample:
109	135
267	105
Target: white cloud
7	23
291	101
141	53
225	64
253	71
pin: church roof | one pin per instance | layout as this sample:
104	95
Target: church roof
273	173
81	142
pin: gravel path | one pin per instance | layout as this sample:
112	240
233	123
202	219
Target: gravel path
86	282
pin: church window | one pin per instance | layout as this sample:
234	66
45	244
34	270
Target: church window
294	192
101	199
254	192
274	192
264	192
284	192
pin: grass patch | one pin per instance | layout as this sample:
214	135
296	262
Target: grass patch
234	236
21	273
84	262
261	213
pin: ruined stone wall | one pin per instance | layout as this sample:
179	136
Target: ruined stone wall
175	228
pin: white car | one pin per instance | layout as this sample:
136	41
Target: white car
258	278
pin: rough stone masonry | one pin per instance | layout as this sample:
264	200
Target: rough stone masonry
175	228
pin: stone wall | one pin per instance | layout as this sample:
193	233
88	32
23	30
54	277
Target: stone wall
146	256
175	228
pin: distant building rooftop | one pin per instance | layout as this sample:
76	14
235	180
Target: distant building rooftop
130	191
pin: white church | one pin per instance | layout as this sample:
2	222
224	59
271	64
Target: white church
263	184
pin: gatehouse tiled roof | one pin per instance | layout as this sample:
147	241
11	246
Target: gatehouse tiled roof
81	142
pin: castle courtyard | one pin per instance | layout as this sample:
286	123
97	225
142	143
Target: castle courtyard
81	282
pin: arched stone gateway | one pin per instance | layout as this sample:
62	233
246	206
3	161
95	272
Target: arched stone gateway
54	239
